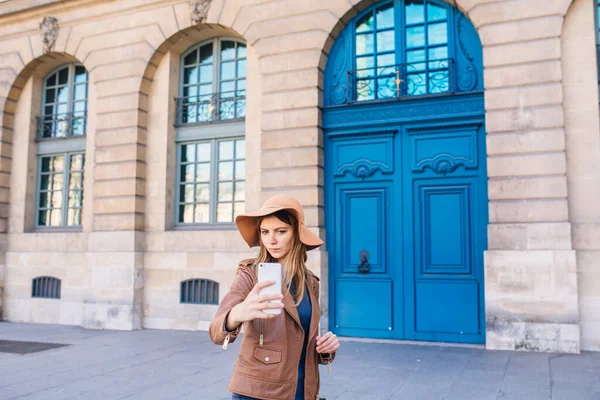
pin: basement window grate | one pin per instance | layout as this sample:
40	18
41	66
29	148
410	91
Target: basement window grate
46	287
199	291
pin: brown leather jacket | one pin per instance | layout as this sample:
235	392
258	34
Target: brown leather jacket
267	365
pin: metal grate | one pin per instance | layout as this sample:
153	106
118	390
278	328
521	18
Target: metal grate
199	291
46	287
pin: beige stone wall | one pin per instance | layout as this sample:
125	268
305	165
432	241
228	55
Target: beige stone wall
123	270
582	126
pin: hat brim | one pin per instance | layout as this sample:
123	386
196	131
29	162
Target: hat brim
247	226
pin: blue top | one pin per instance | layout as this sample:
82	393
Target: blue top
304	312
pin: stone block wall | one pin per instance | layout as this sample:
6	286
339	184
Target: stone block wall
124	268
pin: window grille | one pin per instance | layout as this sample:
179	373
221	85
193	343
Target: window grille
46	287
199	291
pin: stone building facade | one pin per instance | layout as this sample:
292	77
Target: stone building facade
97	208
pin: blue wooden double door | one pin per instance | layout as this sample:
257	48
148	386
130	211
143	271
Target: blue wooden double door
406	221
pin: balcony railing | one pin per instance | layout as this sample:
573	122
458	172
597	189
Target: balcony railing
61	126
203	109
401	80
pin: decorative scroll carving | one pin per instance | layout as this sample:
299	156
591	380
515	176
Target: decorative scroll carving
466	71
363	168
49	31
198	10
339	92
443	164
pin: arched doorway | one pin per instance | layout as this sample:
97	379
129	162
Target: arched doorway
405	174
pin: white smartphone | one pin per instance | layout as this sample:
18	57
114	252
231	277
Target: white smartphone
271	272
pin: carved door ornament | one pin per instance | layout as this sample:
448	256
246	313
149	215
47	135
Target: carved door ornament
198	11
49	31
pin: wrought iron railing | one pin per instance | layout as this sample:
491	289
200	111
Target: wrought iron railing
202	109
61	126
401	80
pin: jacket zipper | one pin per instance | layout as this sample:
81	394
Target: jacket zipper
226	341
261	339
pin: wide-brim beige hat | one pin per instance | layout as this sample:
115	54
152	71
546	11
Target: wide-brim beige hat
247	223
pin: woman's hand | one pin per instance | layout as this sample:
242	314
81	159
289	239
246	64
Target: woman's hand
328	343
253	307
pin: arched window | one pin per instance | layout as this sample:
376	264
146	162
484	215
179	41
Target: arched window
211	166
401	49
61	148
213	83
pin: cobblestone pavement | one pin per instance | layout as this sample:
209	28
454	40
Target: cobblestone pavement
152	364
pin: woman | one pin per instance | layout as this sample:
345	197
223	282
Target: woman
280	354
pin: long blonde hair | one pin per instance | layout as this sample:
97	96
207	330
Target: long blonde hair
294	264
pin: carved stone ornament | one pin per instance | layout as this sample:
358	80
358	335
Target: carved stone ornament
49	32
198	10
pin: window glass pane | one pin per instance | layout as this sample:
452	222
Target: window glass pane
241	50
188	153
74	217
44	201
190	75
385	41
79	108
439	82
63	94
206	53
46	164
43	219
206	73
205	90
415	37
63	76
51	81
192	58
80	92
225	192
45	182
241	87
238	208
386	87
438	33
365	24
56	199
80	74
225	171
61	111
56	217
385	16
190	92
201	213
58	163
227	50
50	97
187	173
386	60
413	58
240	149
75	180
202	193
415	12
203	152
240	170
365	90
227	70
225	212
226	150
416	84
435	12
240	191
203	172
364	43
241	69
75	198
227	89
186	213
365	66
186	194
438	53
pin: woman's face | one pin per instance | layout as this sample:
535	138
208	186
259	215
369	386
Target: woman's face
276	236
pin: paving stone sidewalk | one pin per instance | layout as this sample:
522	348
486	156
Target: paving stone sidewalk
151	364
